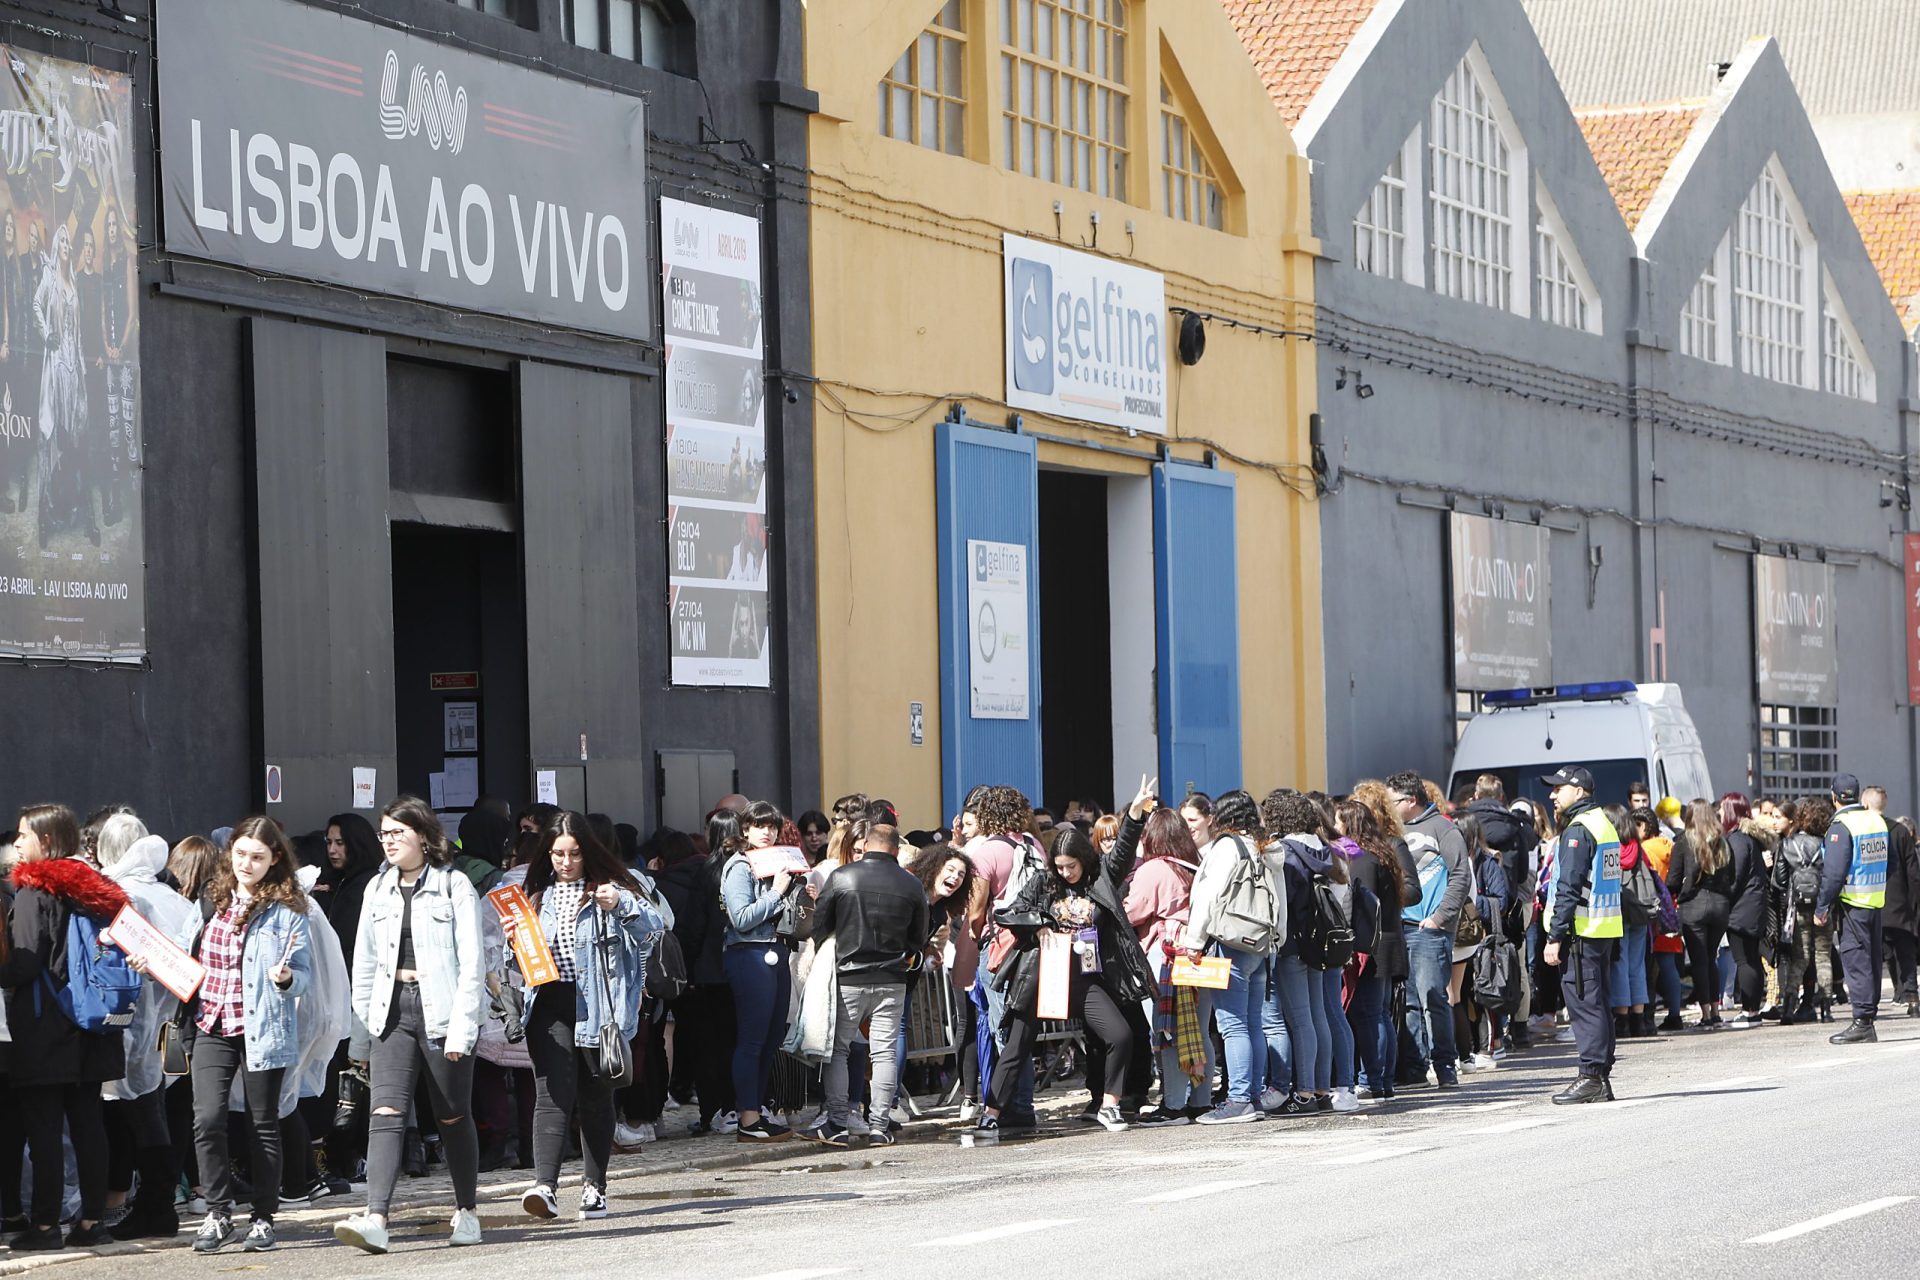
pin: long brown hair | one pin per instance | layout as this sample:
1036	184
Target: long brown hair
1707	836
1166	836
598	864
58	830
192	865
278	885
1359	824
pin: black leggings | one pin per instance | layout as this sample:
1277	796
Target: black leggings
968	1036
397	1060
1749	980
1100	1011
216	1061
1703	956
47	1109
566	1089
137	1137
703	1034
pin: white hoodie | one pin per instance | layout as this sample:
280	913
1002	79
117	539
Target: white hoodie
138	872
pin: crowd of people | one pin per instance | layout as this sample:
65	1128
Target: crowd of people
372	998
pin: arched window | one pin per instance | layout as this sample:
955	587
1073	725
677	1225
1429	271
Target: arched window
1471	194
1770	284
1063	76
923	96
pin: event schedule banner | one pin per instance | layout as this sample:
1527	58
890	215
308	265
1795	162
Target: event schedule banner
718	571
71	561
317	145
1796	653
1502	618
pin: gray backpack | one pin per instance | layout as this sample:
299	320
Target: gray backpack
1249	913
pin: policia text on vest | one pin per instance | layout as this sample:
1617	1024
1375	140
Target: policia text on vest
1856	876
1585	927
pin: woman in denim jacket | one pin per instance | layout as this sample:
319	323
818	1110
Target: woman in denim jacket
246	1019
600	933
756	961
419	986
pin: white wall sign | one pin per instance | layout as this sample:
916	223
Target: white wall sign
1086	336
998	613
363	787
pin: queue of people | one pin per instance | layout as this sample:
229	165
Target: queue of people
368	997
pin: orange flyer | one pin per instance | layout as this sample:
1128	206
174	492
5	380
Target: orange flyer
529	943
1214	973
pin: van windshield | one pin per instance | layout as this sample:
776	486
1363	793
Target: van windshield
1611	778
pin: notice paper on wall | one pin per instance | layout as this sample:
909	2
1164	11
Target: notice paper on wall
546	788
363	786
437	790
462	782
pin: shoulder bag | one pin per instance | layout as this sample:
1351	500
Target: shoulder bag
615	1061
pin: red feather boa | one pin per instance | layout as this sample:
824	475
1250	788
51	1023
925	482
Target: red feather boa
75	881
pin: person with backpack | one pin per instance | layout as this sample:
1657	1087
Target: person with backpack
1584	928
69	996
703	1017
1666	943
1376	866
1299	1041
1639	908
420	989
1077	903
245	1020
1237	911
599	932
1158	897
1797	867
1489	896
1006	855
1430	921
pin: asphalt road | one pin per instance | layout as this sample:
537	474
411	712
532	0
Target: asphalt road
1722	1149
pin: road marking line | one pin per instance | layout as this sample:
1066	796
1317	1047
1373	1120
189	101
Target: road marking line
801	1275
1199	1190
1828	1220
1624	1103
1734	1083
1376	1153
1511	1126
997	1233
1828	1064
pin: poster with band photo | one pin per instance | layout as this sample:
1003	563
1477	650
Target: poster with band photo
71	562
718	562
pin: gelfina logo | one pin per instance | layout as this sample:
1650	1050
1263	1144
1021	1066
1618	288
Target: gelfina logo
1032	326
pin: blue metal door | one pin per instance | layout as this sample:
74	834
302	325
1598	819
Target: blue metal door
1198	619
988	486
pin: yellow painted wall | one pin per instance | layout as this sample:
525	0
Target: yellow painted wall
907	290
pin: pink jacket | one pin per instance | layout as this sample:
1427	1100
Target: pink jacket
1157	897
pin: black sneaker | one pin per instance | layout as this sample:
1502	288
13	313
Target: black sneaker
90	1237
761	1131
831	1135
320	1189
880	1138
38	1238
986	1130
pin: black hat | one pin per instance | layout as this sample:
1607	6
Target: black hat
1570	776
1846	786
925	839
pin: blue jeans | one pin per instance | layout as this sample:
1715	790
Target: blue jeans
1429	1013
1373	1031
1300	1048
1236	1011
1630	968
1668	965
761	980
1342	1059
1177	1089
1020	1104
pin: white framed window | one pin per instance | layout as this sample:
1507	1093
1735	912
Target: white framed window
1063	68
1844	367
1705	321
1388	223
1565	292
1188	182
1474	172
1772	260
923	96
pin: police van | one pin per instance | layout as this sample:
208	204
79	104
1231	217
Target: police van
1620	731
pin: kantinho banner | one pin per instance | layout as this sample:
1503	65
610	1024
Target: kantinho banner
1502	604
71	560
1796	653
317	145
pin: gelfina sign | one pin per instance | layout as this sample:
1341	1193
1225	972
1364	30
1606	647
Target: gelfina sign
1086	336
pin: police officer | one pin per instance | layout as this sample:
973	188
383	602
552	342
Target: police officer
1584	927
1856	874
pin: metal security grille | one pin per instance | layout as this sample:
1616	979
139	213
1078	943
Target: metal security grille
1380	228
1472	196
1769	285
1700	318
1191	190
923	98
1799	749
1064	88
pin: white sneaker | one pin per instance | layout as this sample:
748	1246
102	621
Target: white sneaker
1565	1036
673	1103
539	1201
1484	1062
1111	1120
593	1202
1232	1113
466	1227
778	1118
900	1114
1433	1081
726	1122
1344	1101
364	1231
1271	1100
648	1133
969	1111
626	1135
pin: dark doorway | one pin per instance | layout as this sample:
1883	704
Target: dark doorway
1076	658
457	612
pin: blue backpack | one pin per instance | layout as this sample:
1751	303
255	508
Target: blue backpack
101	989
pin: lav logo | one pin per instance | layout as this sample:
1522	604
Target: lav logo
1032	326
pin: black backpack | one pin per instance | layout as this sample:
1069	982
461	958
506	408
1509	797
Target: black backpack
667	968
1327	935
1366	919
1496	976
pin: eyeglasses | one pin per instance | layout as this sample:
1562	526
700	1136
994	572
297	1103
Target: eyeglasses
389	834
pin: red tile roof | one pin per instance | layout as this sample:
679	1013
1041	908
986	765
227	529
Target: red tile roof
1889	223
1294	43
1635	146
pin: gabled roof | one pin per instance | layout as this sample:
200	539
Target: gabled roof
1294	44
1889	223
1635	146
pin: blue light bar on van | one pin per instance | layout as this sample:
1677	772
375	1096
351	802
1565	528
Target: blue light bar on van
1592	691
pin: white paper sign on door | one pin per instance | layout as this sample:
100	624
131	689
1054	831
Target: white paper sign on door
546	788
998	627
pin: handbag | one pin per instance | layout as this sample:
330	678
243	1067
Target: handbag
615	1060
350	1099
173	1051
1472	930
